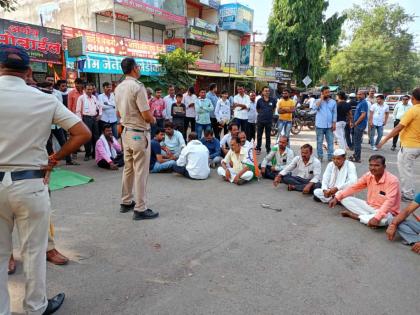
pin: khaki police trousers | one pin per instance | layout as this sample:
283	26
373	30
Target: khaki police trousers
25	203
136	168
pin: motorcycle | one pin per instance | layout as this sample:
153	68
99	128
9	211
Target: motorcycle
303	118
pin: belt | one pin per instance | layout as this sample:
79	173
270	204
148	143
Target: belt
21	175
135	130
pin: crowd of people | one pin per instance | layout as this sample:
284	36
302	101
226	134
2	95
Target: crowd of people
191	134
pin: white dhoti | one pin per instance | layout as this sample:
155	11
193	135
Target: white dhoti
365	212
247	176
319	193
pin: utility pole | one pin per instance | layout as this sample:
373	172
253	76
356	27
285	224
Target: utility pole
253	40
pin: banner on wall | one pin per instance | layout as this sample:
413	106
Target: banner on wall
42	44
245	49
114	45
173	10
236	17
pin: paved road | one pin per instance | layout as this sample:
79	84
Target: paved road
215	250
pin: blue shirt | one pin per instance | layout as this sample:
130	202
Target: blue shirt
326	114
362	107
265	110
203	108
155	150
213	147
213	99
417	198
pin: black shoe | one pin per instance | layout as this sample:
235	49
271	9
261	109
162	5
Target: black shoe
54	304
72	163
126	208
393	148
145	215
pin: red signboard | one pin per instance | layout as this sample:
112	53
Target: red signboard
177	42
173	5
42	44
118	16
114	45
203	65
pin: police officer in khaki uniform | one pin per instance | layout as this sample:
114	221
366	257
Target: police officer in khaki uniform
134	110
26	115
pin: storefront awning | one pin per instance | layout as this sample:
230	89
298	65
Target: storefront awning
219	74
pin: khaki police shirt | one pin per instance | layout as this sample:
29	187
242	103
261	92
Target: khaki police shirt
131	100
26	115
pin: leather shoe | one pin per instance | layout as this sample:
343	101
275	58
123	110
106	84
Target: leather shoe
54	257
145	215
12	265
54	304
126	208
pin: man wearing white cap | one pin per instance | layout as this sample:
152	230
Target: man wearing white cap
338	175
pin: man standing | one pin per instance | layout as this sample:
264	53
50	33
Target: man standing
338	175
178	115
240	108
193	161
383	196
63	92
158	110
252	116
325	122
360	123
75	94
378	118
213	145
279	157
189	100
169	100
134	110
409	130
398	114
211	95
343	117
222	112
285	108
90	110
24	173
265	109
109	116
203	108
303	173
108	151
349	126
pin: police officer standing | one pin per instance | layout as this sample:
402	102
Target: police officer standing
26	115
134	110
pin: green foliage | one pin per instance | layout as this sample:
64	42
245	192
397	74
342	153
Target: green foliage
8	5
300	37
176	65
380	51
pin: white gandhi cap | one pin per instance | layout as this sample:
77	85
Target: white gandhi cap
339	152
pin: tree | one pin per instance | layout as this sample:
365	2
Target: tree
380	50
176	64
299	36
8	5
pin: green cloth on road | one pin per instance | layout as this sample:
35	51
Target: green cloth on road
60	179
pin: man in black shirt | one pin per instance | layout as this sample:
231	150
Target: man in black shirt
349	126
265	109
343	116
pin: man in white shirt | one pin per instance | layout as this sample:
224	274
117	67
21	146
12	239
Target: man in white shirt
174	140
169	100
305	169
399	110
252	116
109	114
189	100
193	160
378	118
222	111
338	175
240	106
225	142
279	157
244	142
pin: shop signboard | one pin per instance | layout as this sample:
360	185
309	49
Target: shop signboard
203	35
42	44
109	64
283	75
173	10
211	3
236	17
209	66
204	24
118	16
265	74
114	45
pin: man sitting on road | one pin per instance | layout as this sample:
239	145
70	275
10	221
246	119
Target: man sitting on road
193	161
244	142
383	196
213	145
338	175
279	157
233	170
409	230
160	162
226	140
174	141
108	152
306	169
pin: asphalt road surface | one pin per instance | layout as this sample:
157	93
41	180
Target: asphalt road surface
216	250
